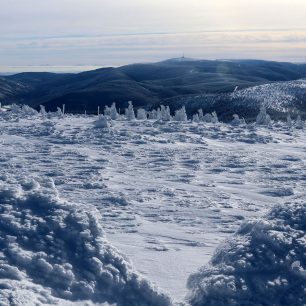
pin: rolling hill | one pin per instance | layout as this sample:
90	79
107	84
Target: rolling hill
174	82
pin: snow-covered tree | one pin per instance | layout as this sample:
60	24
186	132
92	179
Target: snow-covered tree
196	118
165	113
141	114
180	114
113	112
263	118
153	114
214	117
289	120
201	115
129	112
42	111
299	124
59	112
107	110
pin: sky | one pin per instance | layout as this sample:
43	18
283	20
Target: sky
82	34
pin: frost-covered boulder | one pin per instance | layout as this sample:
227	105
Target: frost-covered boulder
55	253
129	112
299	123
180	114
264	263
141	114
101	123
263	118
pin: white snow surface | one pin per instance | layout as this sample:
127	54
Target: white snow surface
263	263
165	193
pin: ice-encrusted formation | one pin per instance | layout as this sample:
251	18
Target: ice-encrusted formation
141	114
263	118
289	121
165	113
129	112
214	118
54	252
263	263
196	118
113	112
299	124
180	114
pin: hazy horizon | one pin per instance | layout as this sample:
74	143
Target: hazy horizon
95	33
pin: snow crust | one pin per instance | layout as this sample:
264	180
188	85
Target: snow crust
263	263
54	252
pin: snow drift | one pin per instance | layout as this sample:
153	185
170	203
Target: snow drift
263	264
54	252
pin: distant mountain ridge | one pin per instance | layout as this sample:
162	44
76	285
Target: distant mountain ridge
147	85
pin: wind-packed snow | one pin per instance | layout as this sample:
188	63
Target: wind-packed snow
165	192
263	264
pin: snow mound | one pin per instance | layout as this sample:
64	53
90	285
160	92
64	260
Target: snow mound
263	262
54	252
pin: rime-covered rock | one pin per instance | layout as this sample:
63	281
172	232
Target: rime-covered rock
263	263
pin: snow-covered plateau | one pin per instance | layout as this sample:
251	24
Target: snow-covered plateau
151	212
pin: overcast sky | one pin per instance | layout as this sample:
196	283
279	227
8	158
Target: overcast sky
116	32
